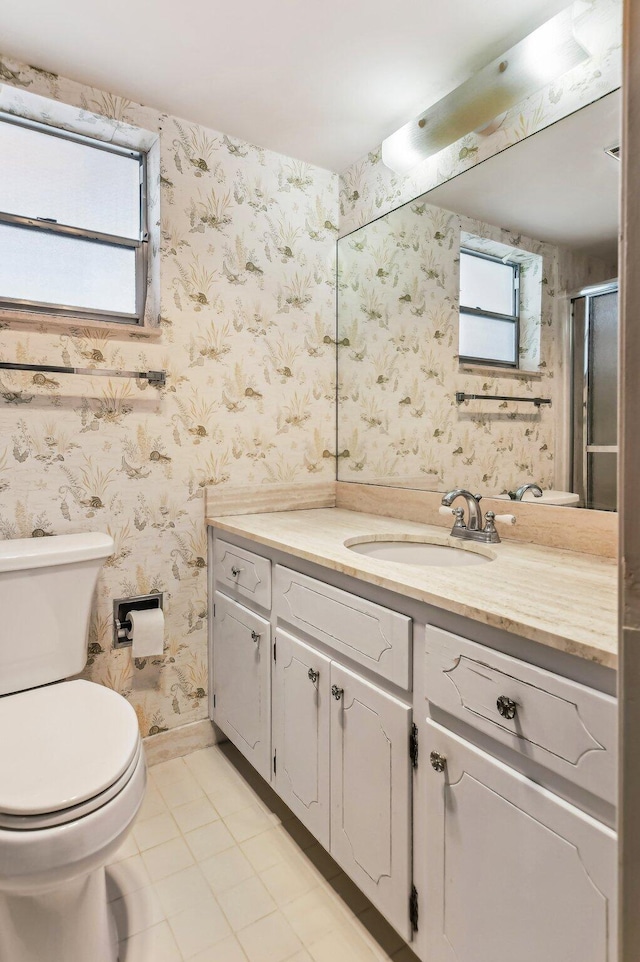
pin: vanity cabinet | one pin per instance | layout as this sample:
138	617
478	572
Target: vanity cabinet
242	676
490	841
342	765
513	871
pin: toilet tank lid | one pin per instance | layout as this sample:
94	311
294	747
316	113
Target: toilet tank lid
18	554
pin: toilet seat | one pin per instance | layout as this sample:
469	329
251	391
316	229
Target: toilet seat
69	749
61	817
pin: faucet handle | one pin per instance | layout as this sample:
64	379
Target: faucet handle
490	519
459	514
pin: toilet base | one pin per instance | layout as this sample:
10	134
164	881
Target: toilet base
72	922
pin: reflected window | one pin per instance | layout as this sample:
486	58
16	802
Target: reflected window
72	224
489	309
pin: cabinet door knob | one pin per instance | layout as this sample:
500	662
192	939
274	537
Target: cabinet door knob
236	571
438	761
337	692
313	675
507	707
255	637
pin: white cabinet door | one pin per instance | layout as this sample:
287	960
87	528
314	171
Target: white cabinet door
371	793
513	871
301	693
241	680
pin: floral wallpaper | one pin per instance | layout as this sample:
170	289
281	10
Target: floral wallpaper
368	189
398	304
246	283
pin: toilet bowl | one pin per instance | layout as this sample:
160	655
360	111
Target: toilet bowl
77	779
72	768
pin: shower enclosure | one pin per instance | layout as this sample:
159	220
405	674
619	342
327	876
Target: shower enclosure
594	391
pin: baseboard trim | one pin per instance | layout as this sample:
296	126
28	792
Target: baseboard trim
181	741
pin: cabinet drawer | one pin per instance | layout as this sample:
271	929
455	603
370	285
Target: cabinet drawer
243	573
371	635
563	725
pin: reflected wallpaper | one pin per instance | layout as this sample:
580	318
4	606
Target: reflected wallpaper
398	304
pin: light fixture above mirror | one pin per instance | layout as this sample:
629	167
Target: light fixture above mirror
544	55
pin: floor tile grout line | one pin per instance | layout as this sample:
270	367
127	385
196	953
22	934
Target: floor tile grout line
203	774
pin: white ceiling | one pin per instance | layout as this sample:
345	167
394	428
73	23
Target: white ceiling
557	186
323	82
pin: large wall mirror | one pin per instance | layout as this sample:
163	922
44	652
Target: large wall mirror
500	283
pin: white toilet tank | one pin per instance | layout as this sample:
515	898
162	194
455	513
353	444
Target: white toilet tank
46	591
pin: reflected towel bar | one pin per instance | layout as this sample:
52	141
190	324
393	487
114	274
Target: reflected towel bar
157	378
538	401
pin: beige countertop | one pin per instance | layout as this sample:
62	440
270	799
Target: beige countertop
562	599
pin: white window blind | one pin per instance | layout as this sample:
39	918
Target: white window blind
72	224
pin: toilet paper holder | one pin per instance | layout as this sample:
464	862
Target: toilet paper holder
121	606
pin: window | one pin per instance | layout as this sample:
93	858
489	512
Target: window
72	224
489	309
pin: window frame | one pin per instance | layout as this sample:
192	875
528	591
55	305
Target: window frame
140	244
478	312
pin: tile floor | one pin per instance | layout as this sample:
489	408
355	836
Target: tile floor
218	870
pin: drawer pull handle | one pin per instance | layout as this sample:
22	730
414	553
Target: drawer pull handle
438	761
313	675
507	707
236	571
337	692
255	637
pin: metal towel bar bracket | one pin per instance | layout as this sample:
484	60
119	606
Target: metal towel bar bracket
538	401
157	378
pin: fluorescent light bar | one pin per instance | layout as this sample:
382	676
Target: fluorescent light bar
540	58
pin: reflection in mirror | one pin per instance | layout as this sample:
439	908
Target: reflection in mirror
500	283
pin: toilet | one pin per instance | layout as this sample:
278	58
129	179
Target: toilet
72	768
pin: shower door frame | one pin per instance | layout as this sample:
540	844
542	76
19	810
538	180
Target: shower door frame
588	293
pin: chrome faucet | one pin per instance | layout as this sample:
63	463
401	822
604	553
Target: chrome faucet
518	494
473	506
473	531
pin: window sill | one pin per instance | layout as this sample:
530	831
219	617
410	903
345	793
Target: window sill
44	323
491	370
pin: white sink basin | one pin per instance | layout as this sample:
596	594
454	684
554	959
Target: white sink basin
550	496
421	553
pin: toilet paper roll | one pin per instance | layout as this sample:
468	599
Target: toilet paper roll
146	632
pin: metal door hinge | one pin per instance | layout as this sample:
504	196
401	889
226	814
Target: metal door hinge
274	651
413	746
214	611
413	909
274	763
214	701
